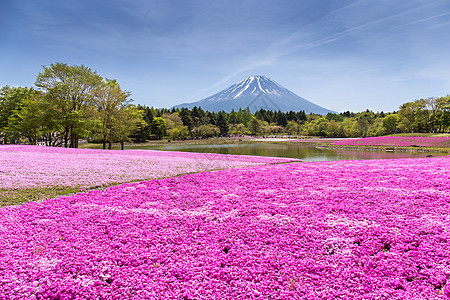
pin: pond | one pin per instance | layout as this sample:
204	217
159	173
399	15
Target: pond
306	152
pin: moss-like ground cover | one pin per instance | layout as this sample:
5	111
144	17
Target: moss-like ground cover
33	173
398	141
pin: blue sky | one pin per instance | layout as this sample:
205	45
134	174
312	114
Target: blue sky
340	54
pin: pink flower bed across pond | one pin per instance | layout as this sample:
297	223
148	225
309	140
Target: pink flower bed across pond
24	167
398	141
374	229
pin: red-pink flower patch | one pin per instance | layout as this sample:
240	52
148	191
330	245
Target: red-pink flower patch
374	229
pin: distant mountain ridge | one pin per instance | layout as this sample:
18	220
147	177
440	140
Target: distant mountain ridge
256	92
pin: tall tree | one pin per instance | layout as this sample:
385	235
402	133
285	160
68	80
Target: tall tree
158	127
28	121
110	100
11	102
255	126
222	123
413	116
70	88
232	119
186	117
125	122
390	123
443	114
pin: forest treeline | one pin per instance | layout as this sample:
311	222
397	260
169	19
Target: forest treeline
71	102
420	116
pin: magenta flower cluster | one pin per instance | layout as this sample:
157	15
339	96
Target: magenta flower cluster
374	229
23	167
397	141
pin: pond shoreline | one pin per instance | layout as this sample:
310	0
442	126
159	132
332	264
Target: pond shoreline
322	143
385	149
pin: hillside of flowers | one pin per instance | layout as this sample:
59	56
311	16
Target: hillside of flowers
398	141
374	229
33	169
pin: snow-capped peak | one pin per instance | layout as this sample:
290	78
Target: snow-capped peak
256	92
252	85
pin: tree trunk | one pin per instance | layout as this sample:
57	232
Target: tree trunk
105	135
71	137
110	141
66	139
73	140
121	145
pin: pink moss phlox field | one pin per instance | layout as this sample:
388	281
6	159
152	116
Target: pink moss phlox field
36	166
315	140
374	229
398	141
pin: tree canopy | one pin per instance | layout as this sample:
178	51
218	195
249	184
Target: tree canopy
72	102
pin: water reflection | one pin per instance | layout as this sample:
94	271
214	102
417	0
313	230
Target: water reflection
293	150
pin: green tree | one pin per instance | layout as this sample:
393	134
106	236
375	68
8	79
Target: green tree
112	103
293	127
390	123
232	118
198	116
443	113
125	122
12	100
413	116
172	120
255	126
174	126
206	131
322	126
27	122
236	129
70	88
334	129
158	127
244	116
222	123
186	117
336	117
143	133
444	118
179	133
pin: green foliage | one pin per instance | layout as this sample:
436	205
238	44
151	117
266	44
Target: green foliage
12	101
222	123
125	122
293	128
28	121
425	115
174	126
116	116
158	127
390	123
205	131
179	133
335	117
69	90
255	126
237	129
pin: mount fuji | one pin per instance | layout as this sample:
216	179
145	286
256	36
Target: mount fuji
256	92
